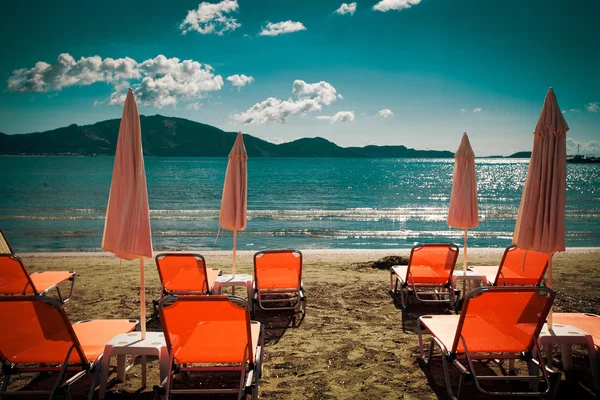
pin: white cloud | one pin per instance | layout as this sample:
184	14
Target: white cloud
160	81
576	110
346	8
463	110
386	5
98	103
322	91
477	110
385	113
310	97
585	148
280	28
44	77
341	116
593	107
194	106
240	80
211	18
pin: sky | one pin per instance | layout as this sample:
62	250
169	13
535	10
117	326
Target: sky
388	72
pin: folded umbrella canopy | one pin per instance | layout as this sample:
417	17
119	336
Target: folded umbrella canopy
541	220
127	227
235	192
463	212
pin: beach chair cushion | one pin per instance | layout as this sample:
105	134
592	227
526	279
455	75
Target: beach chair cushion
49	279
494	319
421	274
208	329
37	331
278	269
185	273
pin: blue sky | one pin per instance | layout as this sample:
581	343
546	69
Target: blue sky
412	72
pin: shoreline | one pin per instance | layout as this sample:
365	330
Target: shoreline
331	252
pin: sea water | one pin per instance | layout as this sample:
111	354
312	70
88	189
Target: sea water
59	203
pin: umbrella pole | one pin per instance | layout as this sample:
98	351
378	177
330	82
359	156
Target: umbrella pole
142	300
550	286
465	255
234	244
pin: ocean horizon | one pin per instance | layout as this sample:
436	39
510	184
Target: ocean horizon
58	203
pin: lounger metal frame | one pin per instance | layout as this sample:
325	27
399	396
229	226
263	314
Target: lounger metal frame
448	293
85	367
269	296
250	372
30	281
532	357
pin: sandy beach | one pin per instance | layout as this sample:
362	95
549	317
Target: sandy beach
355	341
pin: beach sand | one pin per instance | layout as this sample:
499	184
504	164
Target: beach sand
355	342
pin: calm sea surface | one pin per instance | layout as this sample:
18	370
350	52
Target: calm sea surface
59	203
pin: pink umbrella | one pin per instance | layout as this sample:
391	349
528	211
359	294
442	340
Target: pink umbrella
235	192
127	227
463	212
541	220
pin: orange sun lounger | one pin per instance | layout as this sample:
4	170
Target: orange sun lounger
36	336
211	334
428	273
185	273
278	280
495	323
517	267
15	280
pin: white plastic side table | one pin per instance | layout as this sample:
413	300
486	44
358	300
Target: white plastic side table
132	344
239	280
566	336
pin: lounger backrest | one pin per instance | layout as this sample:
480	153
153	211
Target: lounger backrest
182	273
521	267
5	247
206	329
436	259
286	265
14	278
36	330
502	319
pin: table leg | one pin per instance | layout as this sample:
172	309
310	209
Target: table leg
548	350
566	355
121	361
593	363
217	288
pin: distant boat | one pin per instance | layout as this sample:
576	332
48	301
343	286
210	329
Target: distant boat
579	159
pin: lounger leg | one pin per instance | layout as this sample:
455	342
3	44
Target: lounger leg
105	366
94	379
447	377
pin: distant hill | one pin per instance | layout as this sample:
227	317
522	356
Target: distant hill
169	136
521	154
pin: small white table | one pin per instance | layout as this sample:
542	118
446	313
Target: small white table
132	344
566	336
239	280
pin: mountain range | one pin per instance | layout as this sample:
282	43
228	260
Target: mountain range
169	136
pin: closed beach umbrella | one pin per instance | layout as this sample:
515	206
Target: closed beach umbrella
127	227
235	191
463	212
541	220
